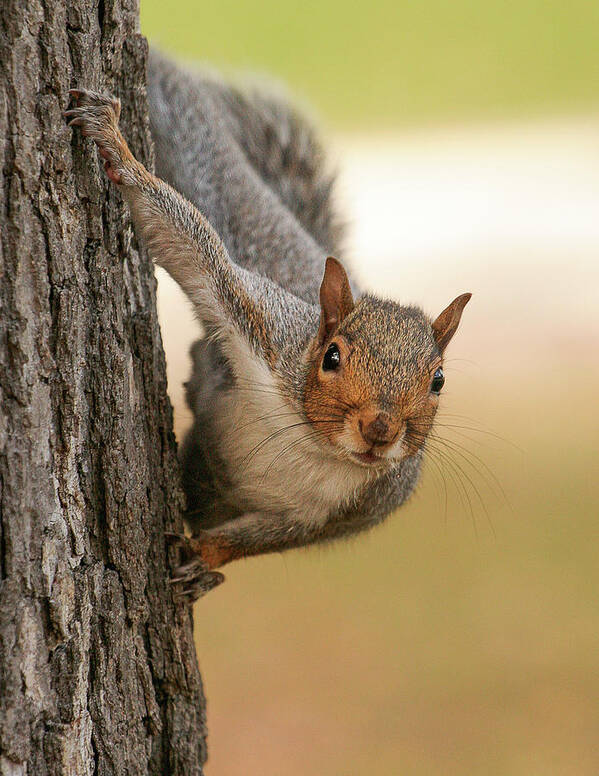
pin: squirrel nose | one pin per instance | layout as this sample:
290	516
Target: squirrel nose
379	430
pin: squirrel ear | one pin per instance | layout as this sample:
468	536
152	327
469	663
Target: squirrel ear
445	326
336	300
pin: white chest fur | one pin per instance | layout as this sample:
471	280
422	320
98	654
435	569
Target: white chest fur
275	461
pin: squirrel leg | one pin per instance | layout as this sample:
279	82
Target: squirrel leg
250	534
255	533
258	533
194	577
98	117
176	234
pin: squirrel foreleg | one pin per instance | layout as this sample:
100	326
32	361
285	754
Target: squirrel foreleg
176	234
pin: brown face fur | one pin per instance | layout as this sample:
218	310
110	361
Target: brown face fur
376	407
388	358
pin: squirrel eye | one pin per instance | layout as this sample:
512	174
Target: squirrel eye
438	381
332	358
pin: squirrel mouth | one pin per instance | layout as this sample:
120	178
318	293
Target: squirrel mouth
368	457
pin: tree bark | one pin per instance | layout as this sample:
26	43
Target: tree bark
98	673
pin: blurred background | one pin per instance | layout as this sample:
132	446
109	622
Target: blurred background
462	637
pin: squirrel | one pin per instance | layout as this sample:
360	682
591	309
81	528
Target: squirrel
312	402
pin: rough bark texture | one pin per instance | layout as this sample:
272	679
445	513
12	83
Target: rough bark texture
98	673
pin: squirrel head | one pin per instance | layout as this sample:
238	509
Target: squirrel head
375	372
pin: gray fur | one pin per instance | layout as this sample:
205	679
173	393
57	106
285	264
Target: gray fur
261	186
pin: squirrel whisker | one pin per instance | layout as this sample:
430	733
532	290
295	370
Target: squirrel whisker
316	434
461	472
475	461
276	434
455	476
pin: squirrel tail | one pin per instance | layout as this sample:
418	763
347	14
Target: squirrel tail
276	139
284	149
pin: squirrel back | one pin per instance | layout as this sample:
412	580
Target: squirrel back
273	203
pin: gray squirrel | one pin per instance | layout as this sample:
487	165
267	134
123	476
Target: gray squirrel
312	407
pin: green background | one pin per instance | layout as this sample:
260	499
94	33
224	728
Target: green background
390	63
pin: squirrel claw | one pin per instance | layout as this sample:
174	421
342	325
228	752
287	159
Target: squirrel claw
173	538
192	579
76	119
97	117
199	587
187	543
195	581
84	98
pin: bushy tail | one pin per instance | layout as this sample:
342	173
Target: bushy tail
277	141
283	148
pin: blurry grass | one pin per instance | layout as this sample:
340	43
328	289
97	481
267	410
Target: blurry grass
386	62
426	647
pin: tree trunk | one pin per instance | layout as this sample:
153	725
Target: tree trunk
97	665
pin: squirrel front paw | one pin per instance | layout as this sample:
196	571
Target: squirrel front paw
98	117
193	578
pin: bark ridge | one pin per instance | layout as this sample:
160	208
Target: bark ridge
98	673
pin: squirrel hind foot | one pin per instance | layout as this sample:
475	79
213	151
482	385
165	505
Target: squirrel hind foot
190	588
193	578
